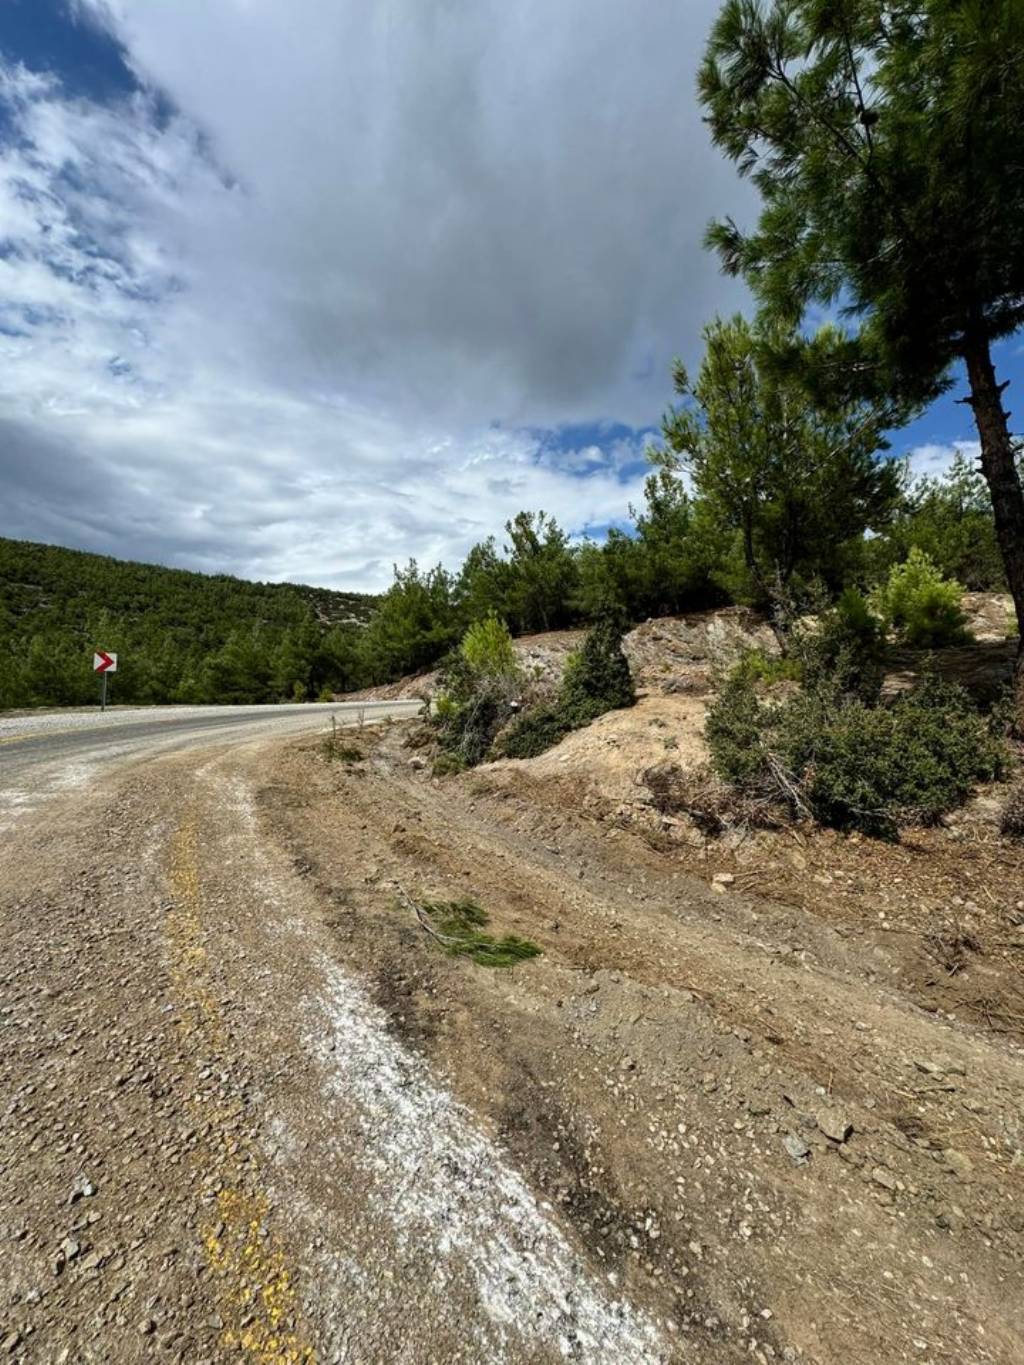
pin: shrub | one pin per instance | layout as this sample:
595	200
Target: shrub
596	679
876	768
535	731
1012	820
758	667
487	649
828	754
920	606
448	765
479	684
736	727
846	650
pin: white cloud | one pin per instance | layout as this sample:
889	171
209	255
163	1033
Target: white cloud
273	333
933	460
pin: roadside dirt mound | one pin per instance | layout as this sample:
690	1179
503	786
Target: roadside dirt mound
689	649
607	756
542	658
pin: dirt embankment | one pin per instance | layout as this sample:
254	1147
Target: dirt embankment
766	1112
773	1080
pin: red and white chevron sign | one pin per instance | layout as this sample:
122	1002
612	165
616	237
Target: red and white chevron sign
102	662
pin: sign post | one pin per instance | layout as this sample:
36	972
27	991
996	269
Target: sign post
104	663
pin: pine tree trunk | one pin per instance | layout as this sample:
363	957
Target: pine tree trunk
1000	470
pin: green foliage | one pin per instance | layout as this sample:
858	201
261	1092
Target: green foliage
478	687
180	636
596	679
878	136
850	764
876	767
414	625
736	731
459	925
669	563
543	573
487	649
531	585
796	484
758	667
534	732
846	651
920	605
448	765
950	519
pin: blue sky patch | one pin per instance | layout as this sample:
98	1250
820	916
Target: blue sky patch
46	36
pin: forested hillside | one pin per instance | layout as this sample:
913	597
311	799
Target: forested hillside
180	636
190	637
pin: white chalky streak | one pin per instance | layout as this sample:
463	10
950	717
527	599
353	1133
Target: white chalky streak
446	1180
442	1180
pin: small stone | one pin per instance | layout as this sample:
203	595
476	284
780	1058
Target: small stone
797	1148
70	1248
959	1164
723	879
938	1066
884	1178
11	1342
83	1189
147	1327
834	1124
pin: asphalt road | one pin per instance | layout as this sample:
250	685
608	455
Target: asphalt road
47	753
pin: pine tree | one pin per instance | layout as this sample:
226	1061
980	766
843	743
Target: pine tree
794	482
885	139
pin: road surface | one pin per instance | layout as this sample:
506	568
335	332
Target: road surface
54	751
212	1146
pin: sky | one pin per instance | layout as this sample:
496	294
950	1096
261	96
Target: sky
299	291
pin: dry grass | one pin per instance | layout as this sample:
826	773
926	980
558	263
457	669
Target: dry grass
712	805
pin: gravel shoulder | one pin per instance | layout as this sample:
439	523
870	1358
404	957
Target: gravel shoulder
253	1112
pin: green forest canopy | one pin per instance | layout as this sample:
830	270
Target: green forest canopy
181	636
188	637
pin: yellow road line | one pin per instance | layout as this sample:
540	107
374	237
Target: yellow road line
41	734
69	730
256	1290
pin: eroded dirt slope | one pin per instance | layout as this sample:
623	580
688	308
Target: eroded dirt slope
740	1106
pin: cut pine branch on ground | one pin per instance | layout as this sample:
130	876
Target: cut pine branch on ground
458	926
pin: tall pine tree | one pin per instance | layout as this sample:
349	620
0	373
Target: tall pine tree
886	140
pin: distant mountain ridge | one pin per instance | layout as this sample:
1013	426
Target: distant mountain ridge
184	636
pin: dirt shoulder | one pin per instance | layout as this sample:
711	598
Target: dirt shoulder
214	1146
253	1112
743	1108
